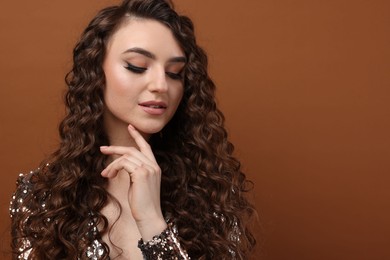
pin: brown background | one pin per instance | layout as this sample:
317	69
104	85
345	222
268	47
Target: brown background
305	89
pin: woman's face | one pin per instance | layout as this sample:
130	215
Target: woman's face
143	69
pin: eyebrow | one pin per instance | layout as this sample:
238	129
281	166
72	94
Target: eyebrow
150	55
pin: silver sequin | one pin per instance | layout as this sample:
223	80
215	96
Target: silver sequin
165	247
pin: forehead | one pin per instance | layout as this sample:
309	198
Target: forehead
145	33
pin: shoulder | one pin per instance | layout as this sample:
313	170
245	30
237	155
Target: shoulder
20	211
24	189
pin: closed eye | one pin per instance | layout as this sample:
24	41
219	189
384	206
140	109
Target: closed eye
176	76
135	69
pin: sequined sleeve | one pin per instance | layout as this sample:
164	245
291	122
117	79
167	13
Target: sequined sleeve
20	245
165	246
234	234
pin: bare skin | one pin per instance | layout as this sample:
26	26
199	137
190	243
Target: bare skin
134	177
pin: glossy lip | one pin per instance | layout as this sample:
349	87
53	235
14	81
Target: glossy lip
148	107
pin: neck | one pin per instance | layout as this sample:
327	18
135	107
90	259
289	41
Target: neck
118	134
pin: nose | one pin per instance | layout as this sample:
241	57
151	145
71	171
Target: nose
158	82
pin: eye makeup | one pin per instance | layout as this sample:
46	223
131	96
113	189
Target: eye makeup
175	76
134	68
140	70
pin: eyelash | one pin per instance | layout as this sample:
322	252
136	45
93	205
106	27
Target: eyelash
175	76
140	70
135	69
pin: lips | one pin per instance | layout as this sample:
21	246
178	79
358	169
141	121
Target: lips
154	107
154	104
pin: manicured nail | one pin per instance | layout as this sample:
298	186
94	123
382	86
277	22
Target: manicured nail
131	127
103	147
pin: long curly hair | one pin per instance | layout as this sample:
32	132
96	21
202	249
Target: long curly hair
202	190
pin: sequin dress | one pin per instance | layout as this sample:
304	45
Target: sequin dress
163	246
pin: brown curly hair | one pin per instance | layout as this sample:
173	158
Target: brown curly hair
202	187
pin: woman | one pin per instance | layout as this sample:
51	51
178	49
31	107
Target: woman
144	168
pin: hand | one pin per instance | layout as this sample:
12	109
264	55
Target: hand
145	181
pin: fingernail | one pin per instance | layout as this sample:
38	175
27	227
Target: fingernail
103	147
131	127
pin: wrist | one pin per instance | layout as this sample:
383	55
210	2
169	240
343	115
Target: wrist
151	227
165	245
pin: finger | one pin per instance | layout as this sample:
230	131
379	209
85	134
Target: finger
128	158
118	150
113	169
141	142
122	150
146	172
132	159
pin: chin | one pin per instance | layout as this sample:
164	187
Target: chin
149	129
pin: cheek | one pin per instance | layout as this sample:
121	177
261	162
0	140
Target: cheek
117	76
177	97
116	91
178	94
115	80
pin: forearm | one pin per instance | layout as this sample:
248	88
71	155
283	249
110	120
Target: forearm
148	230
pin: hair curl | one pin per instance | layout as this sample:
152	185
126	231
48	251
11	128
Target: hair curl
201	178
